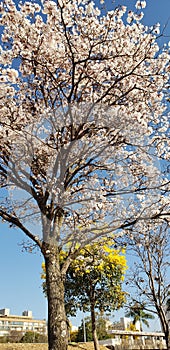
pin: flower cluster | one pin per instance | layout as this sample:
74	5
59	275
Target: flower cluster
140	4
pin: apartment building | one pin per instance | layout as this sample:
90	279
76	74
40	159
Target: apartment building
23	323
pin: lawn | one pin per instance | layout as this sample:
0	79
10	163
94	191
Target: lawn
82	346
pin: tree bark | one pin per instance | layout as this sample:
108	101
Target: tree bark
57	321
164	325
94	333
167	335
167	340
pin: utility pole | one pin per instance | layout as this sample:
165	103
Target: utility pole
84	329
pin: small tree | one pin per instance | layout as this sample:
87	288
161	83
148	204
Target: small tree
33	337
86	327
151	272
101	329
94	280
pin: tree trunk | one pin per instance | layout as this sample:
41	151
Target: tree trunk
167	340
94	333
57	321
164	325
167	336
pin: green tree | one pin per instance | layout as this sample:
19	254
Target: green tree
138	313
33	337
87	328
100	329
3	339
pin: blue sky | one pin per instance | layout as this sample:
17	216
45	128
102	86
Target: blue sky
20	282
155	11
20	286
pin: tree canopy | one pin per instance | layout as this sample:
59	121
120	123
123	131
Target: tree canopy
96	276
81	119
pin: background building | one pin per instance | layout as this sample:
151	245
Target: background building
124	324
23	323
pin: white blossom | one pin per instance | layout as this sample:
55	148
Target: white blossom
140	4
82	100
90	8
12	75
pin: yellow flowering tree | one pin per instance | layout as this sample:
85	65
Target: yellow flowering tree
94	281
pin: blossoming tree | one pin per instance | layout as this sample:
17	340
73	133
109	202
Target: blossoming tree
82	128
